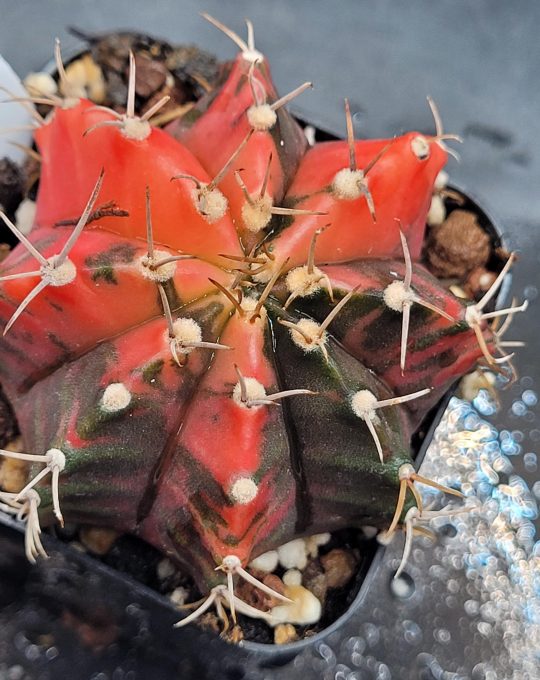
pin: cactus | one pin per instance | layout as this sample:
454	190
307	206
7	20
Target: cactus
239	356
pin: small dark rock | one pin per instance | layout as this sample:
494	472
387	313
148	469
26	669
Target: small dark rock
8	424
151	75
12	185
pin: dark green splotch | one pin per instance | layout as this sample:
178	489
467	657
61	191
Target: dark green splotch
431	338
103	263
152	371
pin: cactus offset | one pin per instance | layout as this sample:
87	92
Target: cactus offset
243	356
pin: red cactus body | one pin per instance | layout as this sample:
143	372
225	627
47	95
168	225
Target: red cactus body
188	445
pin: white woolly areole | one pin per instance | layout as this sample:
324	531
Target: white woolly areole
186	332
248	305
253	56
163	273
58	275
254	389
266	562
135	128
395	295
300	282
257	215
261	117
420	147
363	404
55	458
406	471
244	490
293	555
473	316
211	204
265	274
231	563
115	398
347	184
313	330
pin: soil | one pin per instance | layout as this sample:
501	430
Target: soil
141	561
183	72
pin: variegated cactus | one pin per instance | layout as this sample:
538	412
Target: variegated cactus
243	358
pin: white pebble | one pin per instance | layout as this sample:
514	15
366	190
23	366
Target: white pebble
441	180
437	211
266	562
293	555
304	610
309	132
179	596
40	84
24	215
314	542
292	577
165	568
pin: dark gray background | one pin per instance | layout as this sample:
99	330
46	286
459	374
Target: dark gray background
480	60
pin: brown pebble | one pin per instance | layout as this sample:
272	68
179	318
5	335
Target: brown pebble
13	475
284	633
314	579
255	596
166	111
234	634
273	581
210	621
339	567
13	472
457	246
98	540
150	75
